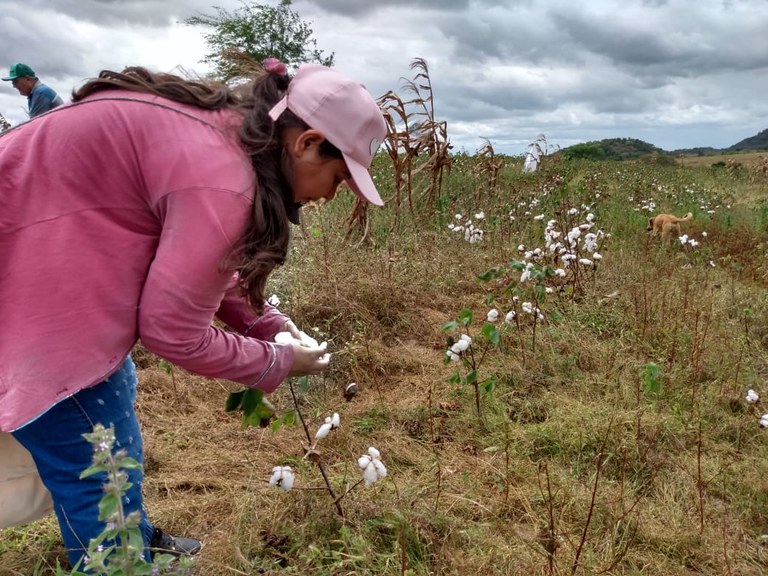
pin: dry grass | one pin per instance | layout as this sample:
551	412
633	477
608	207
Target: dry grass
576	467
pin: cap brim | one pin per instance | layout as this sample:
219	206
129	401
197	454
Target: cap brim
362	183
10	78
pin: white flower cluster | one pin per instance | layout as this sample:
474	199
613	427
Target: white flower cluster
372	466
461	345
472	233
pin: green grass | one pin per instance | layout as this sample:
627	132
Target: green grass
586	458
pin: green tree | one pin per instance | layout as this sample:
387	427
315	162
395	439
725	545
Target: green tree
257	31
587	151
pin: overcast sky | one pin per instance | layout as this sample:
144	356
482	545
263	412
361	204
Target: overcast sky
677	73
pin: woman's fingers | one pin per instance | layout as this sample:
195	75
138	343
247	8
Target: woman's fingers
308	361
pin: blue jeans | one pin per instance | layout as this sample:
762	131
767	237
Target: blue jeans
61	453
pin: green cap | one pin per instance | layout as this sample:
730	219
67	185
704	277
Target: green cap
19	70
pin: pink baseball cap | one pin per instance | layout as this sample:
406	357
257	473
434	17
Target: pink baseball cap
345	113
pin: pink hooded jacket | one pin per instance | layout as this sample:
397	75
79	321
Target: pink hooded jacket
117	213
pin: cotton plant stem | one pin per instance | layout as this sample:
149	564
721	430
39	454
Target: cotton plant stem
317	461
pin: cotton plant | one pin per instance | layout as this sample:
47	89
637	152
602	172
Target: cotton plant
284	477
472	233
753	399
469	353
372	466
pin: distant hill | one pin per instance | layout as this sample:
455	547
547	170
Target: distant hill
634	149
756	142
614	149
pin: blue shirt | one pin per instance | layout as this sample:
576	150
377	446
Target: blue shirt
42	99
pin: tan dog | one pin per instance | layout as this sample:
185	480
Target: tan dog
668	225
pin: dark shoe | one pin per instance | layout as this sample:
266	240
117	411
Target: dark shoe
164	543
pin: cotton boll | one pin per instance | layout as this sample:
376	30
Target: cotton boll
373	452
752	396
764	421
323	431
381	470
459	346
466	337
510	316
307	340
363	461
274	300
452	355
284	338
492	315
282	477
369	474
287	479
335	420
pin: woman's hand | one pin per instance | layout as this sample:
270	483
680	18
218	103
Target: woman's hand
309	360
304	338
292	329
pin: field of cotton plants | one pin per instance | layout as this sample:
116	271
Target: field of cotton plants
541	388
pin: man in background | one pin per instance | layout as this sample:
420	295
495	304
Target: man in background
40	98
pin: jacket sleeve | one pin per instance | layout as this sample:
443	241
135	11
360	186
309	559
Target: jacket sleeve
186	285
236	313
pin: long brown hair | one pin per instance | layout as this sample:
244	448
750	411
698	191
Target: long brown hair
264	244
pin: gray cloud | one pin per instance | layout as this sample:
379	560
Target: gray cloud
673	72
